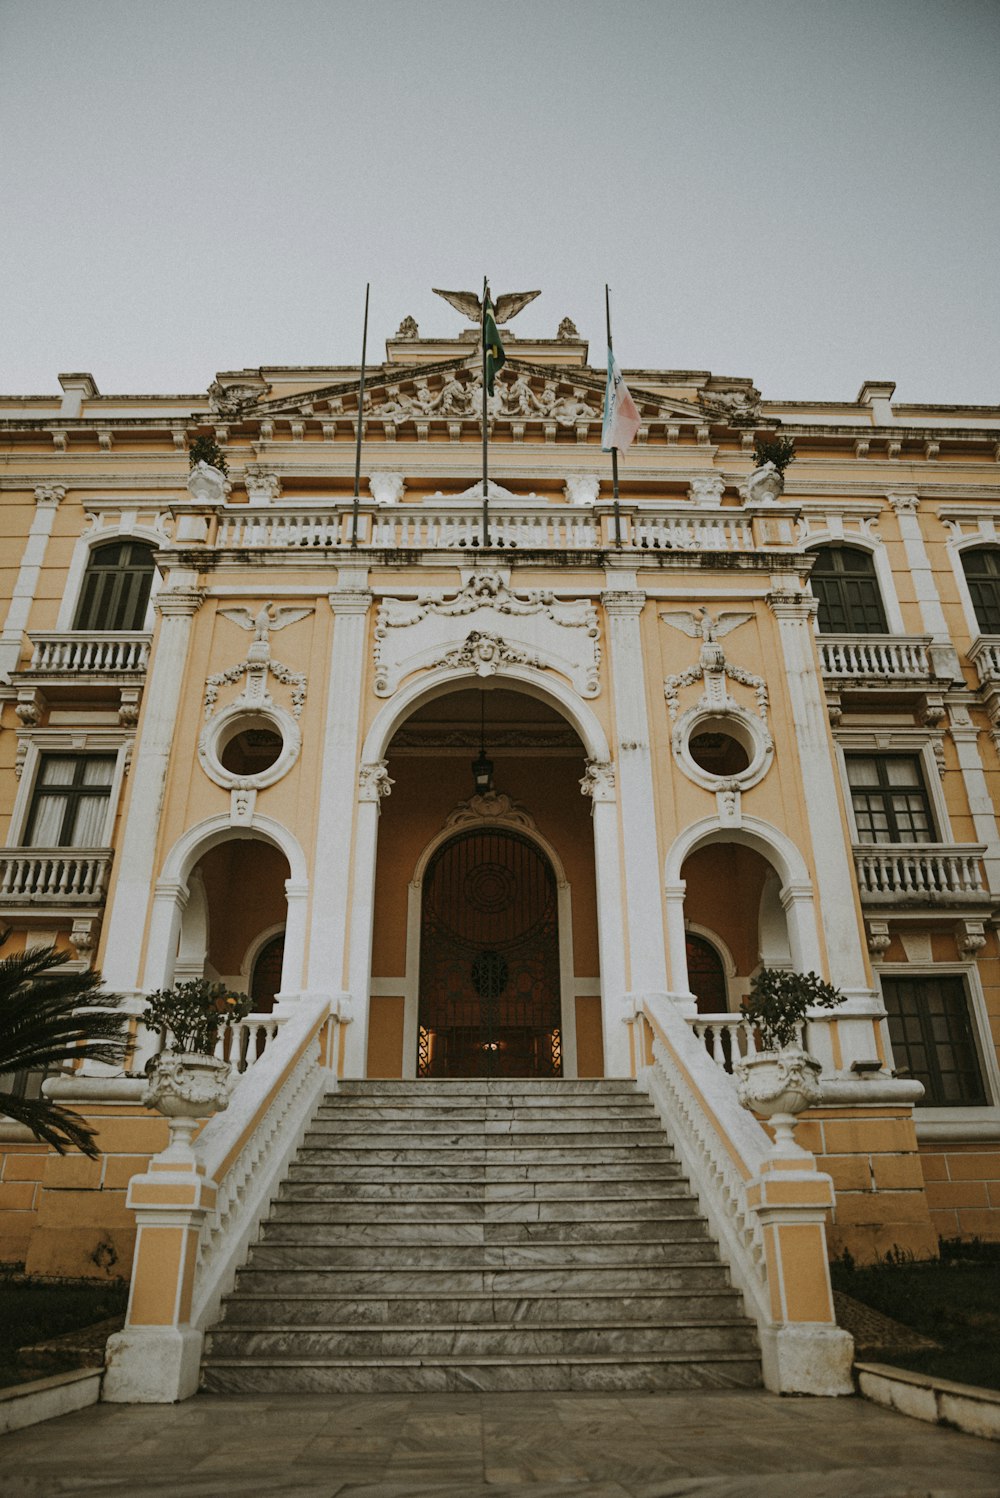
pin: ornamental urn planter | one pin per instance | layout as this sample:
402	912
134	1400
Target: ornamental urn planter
765	485
186	1087
779	1085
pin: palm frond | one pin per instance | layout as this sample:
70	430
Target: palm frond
51	1123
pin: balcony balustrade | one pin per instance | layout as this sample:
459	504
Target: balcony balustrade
86	653
902	874
984	653
54	876
540	526
875	659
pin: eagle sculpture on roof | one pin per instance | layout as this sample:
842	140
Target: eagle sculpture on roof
504	307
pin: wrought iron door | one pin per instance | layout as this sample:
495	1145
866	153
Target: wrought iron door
489	960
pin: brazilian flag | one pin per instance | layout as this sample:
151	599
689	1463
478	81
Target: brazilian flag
495	356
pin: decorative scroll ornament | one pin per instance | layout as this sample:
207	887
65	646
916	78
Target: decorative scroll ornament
461	398
494	806
485	627
374	781
738	407
599	780
485	654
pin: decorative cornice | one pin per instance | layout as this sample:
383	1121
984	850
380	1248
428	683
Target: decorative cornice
786	604
176	602
350	601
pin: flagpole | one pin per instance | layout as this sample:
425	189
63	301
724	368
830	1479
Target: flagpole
361	422
614	450
486	491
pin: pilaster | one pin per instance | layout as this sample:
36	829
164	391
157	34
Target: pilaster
616	1005
944	661
836	889
637	807
965	736
338	824
48	498
126	919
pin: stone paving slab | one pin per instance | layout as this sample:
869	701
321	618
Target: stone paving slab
726	1444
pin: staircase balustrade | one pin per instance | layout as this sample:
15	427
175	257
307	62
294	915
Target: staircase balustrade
751	1196
728	1037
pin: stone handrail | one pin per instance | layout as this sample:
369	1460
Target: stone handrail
921	873
75	876
730	1037
879	657
79	652
247	1148
720	1144
687	530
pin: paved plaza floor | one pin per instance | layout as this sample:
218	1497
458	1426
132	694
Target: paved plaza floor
691	1445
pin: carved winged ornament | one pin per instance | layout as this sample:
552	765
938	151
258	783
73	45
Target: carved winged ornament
471	306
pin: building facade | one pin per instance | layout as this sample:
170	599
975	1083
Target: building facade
482	794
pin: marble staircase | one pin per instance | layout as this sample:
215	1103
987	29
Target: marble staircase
494	1235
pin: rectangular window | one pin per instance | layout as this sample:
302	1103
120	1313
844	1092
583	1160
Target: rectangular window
890	800
930	1029
70	801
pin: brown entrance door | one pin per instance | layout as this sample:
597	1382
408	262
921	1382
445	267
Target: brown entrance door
489	960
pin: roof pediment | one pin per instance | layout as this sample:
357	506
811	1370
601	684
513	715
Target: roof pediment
451	390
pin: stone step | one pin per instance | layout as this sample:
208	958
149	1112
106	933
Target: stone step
268	1308
329	1208
496	1172
573	1235
322	1343
687	1242
357	1152
454	1375
498	1089
358	1109
689	1276
658	1183
492	1130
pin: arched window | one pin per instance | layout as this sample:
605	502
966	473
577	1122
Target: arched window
706	976
843	579
982	573
116	587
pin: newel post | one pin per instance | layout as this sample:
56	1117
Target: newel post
156	1358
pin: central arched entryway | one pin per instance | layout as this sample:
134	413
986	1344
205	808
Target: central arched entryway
489	959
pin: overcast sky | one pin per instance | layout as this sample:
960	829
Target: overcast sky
803	191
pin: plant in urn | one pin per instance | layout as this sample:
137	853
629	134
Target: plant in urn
781	1079
190	1078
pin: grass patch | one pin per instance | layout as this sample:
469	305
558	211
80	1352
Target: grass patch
955	1300
34	1310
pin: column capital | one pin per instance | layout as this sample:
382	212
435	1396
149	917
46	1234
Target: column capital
904	504
623	603
786	603
374	781
599	780
176	602
49	496
350	600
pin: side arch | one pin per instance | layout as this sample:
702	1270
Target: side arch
796	893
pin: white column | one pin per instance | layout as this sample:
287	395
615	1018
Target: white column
373	783
335	811
293	963
637	808
836	888
599	783
944	661
966	738
47	500
126	918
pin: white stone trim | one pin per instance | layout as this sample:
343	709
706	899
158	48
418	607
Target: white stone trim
254	949
81	741
986	535
48	498
904	739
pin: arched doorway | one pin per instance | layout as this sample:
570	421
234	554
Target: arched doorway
706	976
489	1001
265	981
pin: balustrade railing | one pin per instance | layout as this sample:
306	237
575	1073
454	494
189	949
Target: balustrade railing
984	654
84	653
931	873
431	526
878	657
54	876
730	1037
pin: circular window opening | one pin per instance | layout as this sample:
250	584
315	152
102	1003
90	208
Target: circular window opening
253	746
721	746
